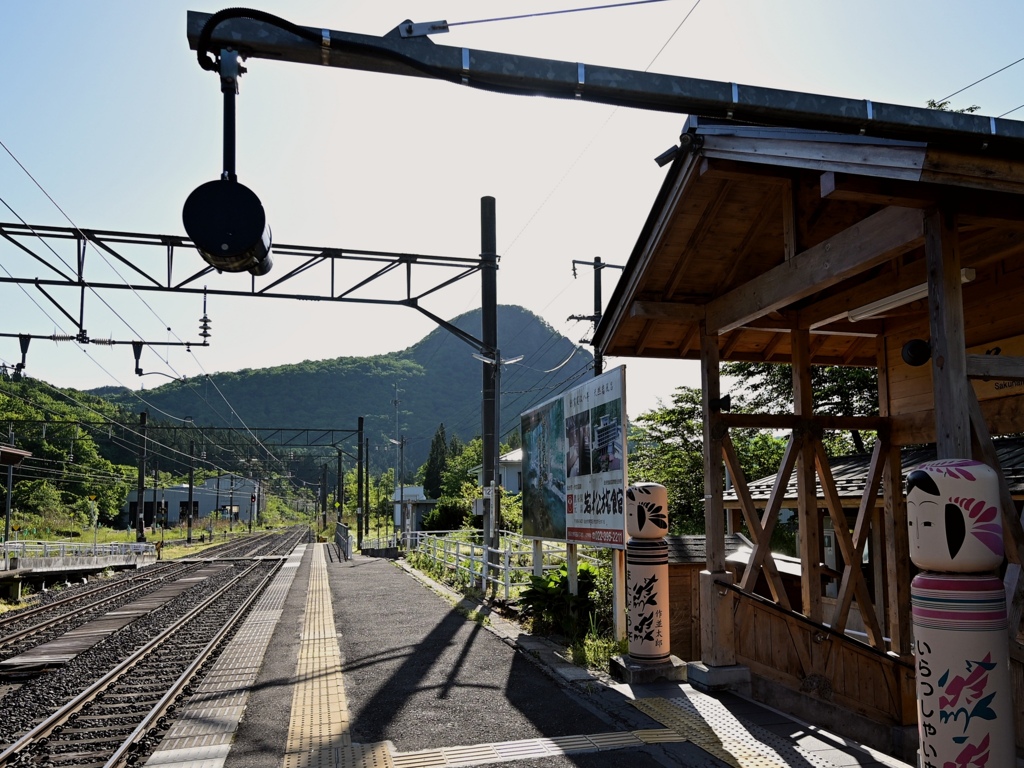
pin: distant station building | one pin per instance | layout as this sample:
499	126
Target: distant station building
219	497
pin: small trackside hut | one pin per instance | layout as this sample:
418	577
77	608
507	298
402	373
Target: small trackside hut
793	245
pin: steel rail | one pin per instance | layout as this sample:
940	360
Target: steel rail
8	640
29	612
161	707
76	704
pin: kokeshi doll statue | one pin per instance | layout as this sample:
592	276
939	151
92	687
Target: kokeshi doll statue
647	573
964	688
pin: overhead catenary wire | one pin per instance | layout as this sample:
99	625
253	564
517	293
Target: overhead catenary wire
105	303
981	80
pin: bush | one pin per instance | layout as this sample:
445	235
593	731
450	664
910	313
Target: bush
449	514
550	607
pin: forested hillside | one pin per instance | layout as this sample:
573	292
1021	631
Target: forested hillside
438	381
78	452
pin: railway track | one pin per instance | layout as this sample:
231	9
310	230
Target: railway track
110	704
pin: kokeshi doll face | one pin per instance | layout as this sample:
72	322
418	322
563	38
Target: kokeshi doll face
953	516
646	511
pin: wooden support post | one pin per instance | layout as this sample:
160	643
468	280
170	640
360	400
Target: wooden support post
619	611
897	543
807	497
714	508
946	321
716	604
572	566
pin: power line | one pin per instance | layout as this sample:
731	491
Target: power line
986	77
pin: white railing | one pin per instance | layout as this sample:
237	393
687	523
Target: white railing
25	549
384	542
50	552
508	566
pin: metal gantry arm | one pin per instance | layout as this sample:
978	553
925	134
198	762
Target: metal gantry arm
418	56
146	272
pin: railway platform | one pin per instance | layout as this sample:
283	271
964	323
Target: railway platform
363	663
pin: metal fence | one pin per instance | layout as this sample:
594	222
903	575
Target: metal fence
343	540
36	549
57	555
508	567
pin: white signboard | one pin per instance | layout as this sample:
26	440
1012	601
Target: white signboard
574	464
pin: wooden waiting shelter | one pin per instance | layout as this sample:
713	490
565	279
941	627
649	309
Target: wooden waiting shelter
792	245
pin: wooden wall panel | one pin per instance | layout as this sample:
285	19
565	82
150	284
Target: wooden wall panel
993	316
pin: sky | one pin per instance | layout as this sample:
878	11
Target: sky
108	122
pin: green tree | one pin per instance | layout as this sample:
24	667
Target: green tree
433	470
836	390
668	448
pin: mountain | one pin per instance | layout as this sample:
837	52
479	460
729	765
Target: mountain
438	380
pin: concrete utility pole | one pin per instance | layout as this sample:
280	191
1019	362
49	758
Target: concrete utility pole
595	318
492	367
140	505
366	490
360	471
191	485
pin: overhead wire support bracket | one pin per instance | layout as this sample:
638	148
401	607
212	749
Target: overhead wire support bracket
418	56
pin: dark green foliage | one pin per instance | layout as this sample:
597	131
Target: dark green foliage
667	447
837	390
549	605
438	380
449	514
433	470
77	449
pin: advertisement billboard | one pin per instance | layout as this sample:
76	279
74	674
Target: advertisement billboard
574	464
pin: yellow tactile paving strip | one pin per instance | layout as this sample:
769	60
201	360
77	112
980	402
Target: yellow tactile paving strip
318	735
529	749
707	724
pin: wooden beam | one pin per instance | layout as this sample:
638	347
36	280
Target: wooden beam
894	526
788	221
762	548
729	170
708	218
772	346
852	549
1013	531
687	340
789	421
876	191
977	206
739	482
946	321
667	310
1002	367
868	243
807	498
714	480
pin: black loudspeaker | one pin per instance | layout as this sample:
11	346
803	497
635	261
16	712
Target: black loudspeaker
228	225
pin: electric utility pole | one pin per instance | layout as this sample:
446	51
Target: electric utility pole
595	318
140	517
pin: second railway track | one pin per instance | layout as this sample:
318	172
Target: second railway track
110	703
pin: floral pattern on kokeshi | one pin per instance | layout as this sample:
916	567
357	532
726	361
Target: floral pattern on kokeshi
963	679
953	516
646	511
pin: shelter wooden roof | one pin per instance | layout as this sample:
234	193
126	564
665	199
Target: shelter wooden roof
758	230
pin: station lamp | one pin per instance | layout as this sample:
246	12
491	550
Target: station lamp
224	218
